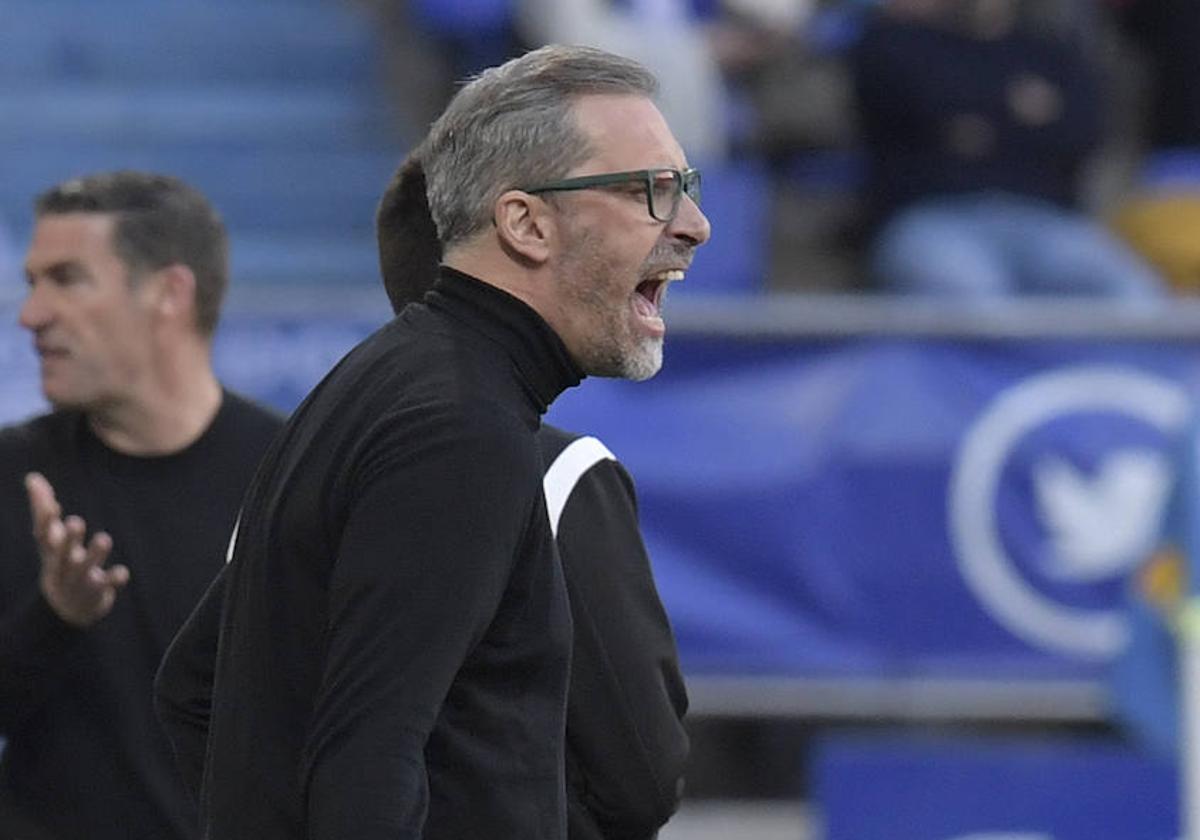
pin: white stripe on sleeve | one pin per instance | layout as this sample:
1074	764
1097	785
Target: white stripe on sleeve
559	482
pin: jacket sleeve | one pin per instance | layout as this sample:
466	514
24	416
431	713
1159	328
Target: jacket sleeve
626	742
184	684
435	527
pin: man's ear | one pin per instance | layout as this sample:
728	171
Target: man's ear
525	225
175	291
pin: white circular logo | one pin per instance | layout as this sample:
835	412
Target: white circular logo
1127	496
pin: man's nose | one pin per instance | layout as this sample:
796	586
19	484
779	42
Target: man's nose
35	311
690	223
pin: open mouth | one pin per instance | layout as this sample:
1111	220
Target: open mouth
654	288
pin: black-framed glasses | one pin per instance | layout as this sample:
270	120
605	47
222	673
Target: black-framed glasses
664	187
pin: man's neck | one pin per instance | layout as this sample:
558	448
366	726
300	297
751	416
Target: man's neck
522	284
164	418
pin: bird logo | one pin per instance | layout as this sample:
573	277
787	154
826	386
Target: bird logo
1103	524
1085	513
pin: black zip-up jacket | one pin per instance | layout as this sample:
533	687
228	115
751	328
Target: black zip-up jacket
626	743
395	637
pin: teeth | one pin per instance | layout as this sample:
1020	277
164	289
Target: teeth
674	275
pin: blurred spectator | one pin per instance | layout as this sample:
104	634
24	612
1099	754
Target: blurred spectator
1144	684
1161	218
472	34
141	462
701	50
419	64
1168	31
977	128
1144	680
667	37
793	70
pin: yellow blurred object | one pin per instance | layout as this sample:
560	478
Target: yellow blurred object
1164	228
1161	580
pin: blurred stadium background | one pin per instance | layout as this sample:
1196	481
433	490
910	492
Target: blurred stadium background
896	539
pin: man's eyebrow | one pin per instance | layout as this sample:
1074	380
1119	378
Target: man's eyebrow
60	270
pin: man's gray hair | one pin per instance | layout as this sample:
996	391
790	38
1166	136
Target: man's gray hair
513	125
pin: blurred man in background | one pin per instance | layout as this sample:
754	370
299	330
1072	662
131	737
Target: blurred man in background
394	646
1160	213
133	482
977	128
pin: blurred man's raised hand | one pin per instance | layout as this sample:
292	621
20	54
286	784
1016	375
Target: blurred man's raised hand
74	580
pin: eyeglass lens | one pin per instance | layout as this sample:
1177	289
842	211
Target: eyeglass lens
691	185
667	186
664	194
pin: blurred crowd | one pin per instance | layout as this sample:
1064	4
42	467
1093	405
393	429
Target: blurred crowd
967	149
957	148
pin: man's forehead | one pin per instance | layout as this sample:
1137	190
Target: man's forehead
628	130
63	234
83	228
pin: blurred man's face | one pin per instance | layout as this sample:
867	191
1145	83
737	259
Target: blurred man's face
616	260
91	326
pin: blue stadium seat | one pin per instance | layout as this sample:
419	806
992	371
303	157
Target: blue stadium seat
461	18
475	33
265	41
288	190
271	107
274	116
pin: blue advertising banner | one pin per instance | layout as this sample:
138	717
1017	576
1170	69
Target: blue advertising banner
898	507
861	507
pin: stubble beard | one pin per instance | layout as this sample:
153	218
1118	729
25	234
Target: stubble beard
644	361
612	347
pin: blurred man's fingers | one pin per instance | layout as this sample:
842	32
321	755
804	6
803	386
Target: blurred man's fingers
118	576
51	544
76	529
99	548
43	504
